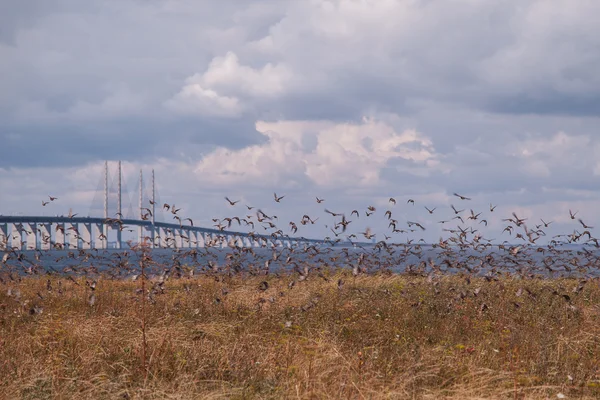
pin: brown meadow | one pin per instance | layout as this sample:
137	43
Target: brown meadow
377	336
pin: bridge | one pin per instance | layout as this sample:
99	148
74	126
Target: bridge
74	232
37	233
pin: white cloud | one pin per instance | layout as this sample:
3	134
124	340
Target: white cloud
226	73
217	91
193	99
328	154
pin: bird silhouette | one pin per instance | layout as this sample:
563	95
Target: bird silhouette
572	215
232	203
462	197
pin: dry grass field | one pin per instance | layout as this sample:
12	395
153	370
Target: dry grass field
373	337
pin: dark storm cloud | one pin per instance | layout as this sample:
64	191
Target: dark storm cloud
143	139
65	62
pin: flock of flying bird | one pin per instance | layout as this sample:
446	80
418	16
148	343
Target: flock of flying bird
464	251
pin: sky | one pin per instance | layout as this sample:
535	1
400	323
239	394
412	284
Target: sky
353	101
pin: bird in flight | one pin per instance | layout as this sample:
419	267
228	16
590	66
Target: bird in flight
52	198
277	199
392	200
411	201
367	233
44	203
410	224
319	201
572	215
231	203
334	214
430	211
455	210
462	197
546	224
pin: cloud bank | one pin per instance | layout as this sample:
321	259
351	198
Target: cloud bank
354	100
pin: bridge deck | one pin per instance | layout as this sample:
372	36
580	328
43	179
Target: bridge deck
146	224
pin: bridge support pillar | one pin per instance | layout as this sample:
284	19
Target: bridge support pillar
105	235
119	236
168	238
154	236
31	236
162	238
171	234
16	237
185	238
182	236
178	236
60	237
158	238
3	236
45	236
189	239
86	236
165	239
73	236
152	230
98	241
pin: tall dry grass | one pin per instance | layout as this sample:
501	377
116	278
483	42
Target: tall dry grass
375	337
